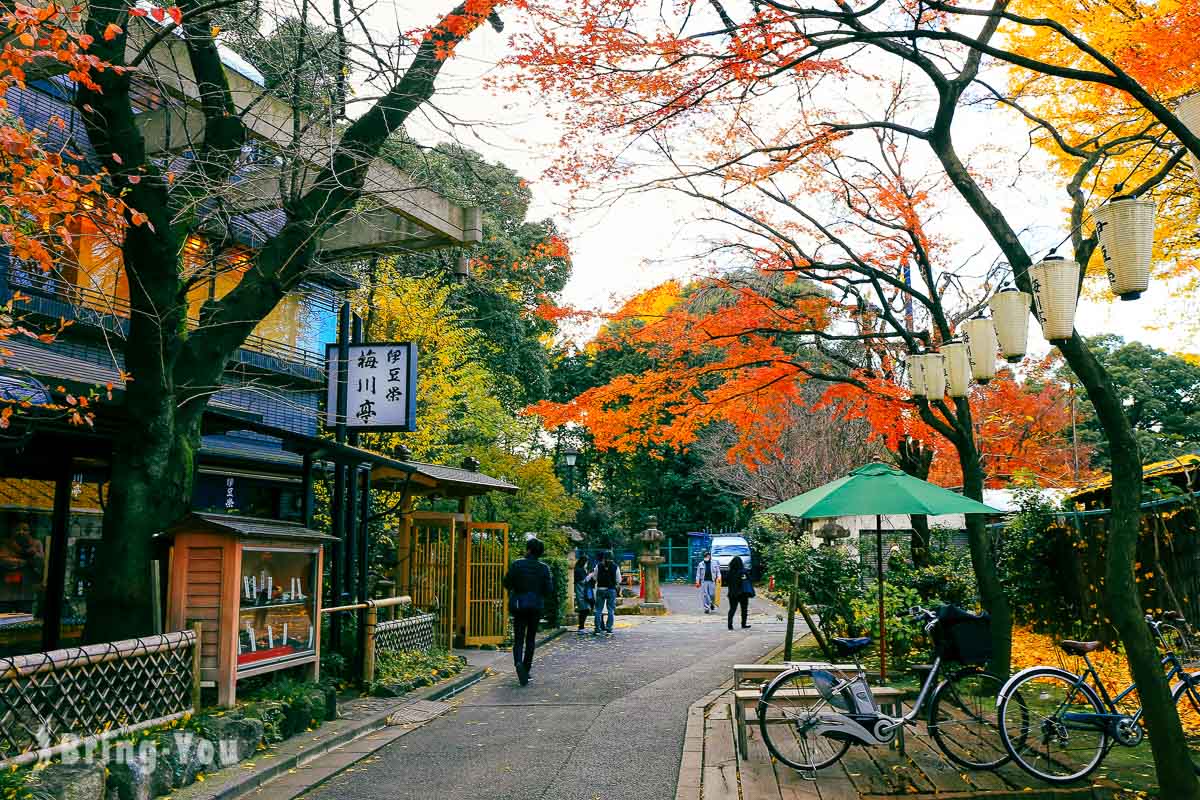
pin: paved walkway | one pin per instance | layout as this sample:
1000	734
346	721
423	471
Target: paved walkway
603	718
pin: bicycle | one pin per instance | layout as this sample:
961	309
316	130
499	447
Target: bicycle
810	717
1073	727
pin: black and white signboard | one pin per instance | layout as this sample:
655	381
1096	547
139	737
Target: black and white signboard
381	390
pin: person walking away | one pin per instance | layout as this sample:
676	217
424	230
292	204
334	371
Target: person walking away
529	584
708	575
607	576
740	589
585	592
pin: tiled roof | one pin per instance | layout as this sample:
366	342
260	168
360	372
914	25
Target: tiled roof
460	476
55	367
251	528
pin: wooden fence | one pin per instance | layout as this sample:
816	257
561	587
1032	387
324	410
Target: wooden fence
97	692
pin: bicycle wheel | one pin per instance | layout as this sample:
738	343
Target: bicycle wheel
788	713
964	722
1187	702
1049	725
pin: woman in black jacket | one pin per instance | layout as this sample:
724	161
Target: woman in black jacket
583	590
740	590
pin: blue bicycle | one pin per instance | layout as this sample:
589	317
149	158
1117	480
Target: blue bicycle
1059	728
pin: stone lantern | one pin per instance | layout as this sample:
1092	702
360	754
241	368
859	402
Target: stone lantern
650	559
831	533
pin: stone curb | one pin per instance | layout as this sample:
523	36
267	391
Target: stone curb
281	760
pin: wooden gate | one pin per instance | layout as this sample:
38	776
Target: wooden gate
431	572
485	562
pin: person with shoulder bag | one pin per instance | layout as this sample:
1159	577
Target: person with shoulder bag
584	590
607	576
741	589
529	585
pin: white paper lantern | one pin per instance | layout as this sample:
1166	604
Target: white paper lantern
958	368
981	348
1056	290
1189	114
1125	226
1010	313
935	376
916	375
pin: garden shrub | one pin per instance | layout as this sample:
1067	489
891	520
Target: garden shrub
948	578
1038	562
556	608
905	639
398	673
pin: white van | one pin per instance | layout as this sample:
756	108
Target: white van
724	548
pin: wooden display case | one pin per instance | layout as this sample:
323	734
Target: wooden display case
255	586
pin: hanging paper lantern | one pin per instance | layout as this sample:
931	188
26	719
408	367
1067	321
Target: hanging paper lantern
916	375
1189	114
1056	290
981	348
958	368
1125	226
1010	313
935	376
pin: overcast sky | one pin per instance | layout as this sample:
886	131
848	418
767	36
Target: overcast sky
637	242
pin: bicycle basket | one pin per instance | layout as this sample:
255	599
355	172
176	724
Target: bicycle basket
962	636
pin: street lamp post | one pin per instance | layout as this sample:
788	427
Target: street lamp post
570	457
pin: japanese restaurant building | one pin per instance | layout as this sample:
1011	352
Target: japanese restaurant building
262	445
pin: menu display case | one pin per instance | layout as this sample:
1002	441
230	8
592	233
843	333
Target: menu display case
277	613
255	587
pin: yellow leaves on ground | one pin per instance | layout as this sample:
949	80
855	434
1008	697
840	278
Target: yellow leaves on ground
1031	649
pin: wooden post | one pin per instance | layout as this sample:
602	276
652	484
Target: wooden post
882	622
791	617
198	628
368	672
56	573
812	627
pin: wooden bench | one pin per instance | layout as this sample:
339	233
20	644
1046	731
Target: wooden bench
748	680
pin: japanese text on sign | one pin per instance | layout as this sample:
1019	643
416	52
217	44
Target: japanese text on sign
380	388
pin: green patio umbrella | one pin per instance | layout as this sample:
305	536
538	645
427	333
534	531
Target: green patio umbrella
878	489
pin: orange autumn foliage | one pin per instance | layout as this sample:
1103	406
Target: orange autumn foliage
47	194
721	352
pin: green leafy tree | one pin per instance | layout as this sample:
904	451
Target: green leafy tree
1161	395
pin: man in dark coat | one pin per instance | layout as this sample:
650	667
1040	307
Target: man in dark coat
529	585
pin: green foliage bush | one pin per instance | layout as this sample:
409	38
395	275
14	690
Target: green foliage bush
398	673
903	636
948	578
556	609
1033	556
829	576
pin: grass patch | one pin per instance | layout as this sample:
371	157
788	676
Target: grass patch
398	673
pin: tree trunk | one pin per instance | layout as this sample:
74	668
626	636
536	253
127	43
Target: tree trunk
915	459
1176	777
991	591
151	487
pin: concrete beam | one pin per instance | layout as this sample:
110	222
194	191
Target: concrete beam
267	118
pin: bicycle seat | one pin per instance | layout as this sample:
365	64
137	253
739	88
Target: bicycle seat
848	647
1079	648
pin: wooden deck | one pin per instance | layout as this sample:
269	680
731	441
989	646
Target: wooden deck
712	770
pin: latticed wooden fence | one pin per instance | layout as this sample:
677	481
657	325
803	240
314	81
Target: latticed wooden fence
432	571
97	691
399	635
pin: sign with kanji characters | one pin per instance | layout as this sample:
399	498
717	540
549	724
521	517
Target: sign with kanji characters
381	390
